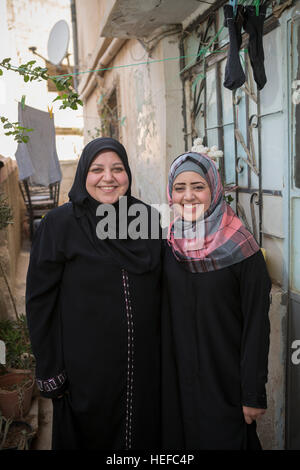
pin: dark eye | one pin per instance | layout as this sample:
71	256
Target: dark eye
96	170
118	169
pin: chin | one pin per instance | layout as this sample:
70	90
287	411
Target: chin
108	200
192	217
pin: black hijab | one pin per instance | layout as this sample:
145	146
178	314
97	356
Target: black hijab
136	256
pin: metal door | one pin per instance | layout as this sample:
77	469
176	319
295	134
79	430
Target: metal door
293	356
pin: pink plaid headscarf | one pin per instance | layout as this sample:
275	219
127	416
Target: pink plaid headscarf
225	239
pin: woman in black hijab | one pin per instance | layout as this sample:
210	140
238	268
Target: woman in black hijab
93	312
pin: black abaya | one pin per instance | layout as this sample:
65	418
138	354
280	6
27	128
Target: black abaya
93	309
95	330
215	338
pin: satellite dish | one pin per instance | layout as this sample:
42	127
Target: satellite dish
58	42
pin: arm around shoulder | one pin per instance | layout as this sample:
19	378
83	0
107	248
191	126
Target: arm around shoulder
255	287
44	277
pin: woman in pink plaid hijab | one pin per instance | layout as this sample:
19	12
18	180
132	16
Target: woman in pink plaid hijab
215	325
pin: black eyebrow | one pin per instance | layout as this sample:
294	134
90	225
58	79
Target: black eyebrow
114	164
196	182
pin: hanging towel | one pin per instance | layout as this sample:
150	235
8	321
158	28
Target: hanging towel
38	158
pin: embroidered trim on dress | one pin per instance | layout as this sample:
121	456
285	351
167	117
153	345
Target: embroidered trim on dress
130	359
54	383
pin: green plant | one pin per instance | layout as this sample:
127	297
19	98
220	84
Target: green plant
12	436
14	128
15	335
228	188
6	215
228	199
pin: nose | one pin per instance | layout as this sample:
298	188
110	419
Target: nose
188	195
107	175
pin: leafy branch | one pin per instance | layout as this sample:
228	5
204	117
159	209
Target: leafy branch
30	73
15	129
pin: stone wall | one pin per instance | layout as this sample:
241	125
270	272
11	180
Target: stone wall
11	236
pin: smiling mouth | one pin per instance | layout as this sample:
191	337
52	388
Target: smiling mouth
190	206
107	188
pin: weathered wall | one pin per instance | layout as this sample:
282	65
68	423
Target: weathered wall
88	28
149	108
271	426
68	169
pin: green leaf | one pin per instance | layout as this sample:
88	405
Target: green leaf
25	139
58	98
1	72
26	78
8	125
5	61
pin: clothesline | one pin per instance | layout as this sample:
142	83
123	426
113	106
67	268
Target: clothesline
203	51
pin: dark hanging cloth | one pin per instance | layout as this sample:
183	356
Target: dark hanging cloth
223	365
234	73
93	310
254	26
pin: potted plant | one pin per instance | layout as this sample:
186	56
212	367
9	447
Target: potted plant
16	377
15	435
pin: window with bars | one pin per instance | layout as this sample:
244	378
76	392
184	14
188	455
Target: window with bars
246	124
109	116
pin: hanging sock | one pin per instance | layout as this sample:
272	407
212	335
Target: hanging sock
234	73
254	25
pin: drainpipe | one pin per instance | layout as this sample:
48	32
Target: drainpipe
104	61
110	53
75	43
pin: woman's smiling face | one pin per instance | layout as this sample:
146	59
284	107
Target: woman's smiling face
107	179
191	195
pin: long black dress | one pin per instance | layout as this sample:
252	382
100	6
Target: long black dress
95	332
215	337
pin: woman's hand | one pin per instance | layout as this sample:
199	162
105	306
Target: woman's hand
251	414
